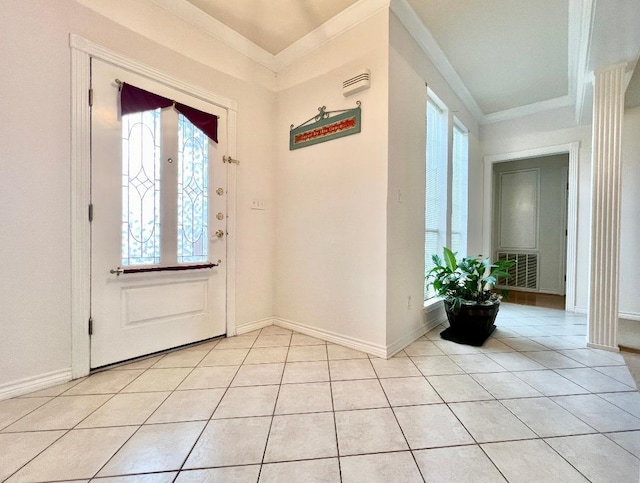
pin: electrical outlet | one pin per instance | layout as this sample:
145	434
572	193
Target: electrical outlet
257	204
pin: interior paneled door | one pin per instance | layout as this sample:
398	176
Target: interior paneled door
158	190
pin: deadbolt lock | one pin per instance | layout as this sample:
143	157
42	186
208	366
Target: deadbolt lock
220	216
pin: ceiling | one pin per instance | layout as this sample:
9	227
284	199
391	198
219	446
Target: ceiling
272	25
507	52
505	58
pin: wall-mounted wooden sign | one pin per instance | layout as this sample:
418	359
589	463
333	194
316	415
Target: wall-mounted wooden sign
327	125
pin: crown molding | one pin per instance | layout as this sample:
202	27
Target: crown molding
428	44
332	28
345	20
528	109
216	29
581	18
580	29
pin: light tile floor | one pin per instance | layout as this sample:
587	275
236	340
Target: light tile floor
532	404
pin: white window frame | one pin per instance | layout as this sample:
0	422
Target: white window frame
459	160
446	178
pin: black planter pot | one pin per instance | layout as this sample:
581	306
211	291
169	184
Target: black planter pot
472	325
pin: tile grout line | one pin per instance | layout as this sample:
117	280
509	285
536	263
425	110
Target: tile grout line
379	380
226	389
153	412
395	417
275	405
335	422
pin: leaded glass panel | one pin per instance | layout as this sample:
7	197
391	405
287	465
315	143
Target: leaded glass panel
193	192
141	188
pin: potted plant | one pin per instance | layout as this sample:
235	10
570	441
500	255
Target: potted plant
469	301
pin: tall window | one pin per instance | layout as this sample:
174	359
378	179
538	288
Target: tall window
436	185
459	191
446	185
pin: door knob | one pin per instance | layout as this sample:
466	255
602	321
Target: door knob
219	233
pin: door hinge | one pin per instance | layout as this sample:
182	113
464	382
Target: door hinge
90	212
90	325
90	97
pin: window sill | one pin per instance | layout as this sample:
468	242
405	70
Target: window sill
431	303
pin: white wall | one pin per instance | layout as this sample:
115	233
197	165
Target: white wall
629	216
540	131
331	197
35	178
410	69
405	46
550	214
405	201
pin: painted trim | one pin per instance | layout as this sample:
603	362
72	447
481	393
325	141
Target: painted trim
99	52
347	19
606	174
346	341
584	15
432	50
629	315
232	225
251	326
603	347
349	342
34	383
536	243
415	334
528	109
82	51
573	149
344	21
434	314
580	21
216	29
80	227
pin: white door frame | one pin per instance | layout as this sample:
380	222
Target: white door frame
572	208
82	51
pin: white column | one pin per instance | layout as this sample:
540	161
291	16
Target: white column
608	110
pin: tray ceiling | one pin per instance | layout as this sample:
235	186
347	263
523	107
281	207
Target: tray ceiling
511	57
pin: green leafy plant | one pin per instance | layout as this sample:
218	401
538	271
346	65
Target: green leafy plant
469	280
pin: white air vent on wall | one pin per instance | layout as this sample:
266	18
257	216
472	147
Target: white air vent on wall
357	83
524	274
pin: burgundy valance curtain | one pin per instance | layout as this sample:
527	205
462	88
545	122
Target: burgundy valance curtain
133	99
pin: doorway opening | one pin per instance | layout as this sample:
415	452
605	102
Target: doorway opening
507	236
535	299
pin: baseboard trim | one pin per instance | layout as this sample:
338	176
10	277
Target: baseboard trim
415	334
621	315
629	316
256	325
603	347
350	342
35	383
435	314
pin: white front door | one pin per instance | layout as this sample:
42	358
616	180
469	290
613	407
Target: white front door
158	191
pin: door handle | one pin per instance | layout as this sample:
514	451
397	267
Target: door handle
219	233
